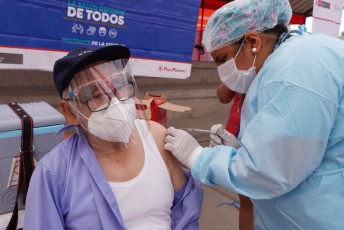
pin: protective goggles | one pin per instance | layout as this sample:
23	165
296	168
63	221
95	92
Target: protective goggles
97	85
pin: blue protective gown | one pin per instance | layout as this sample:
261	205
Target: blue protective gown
291	160
68	190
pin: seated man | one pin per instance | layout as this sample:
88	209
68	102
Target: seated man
114	173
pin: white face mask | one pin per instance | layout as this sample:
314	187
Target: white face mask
114	124
236	80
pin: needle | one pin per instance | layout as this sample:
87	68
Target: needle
199	130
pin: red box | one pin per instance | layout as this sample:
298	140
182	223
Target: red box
158	107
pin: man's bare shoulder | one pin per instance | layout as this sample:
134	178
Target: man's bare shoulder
174	167
158	132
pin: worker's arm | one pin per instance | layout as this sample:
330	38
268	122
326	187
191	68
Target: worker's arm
224	94
277	152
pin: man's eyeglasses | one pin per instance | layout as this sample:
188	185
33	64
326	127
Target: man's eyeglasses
99	99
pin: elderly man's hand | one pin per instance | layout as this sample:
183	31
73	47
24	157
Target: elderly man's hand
183	146
220	136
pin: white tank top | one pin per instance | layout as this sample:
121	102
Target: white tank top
145	202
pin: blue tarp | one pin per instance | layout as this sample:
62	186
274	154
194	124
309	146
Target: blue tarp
152	29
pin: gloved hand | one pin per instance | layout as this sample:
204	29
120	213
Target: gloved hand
183	146
220	136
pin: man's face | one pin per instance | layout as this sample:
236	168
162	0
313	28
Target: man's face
100	84
87	88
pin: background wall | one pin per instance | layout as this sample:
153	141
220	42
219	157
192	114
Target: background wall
197	92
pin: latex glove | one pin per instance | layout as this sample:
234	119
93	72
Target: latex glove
183	146
220	136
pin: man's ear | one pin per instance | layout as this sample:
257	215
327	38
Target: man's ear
68	112
254	41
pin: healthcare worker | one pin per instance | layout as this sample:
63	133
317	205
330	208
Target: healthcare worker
291	156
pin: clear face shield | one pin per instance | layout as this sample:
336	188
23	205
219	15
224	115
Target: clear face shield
106	101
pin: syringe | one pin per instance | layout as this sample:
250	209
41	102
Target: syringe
199	130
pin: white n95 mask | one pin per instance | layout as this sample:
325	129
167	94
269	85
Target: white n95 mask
235	79
114	124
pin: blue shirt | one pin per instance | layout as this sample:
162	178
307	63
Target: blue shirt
68	190
291	160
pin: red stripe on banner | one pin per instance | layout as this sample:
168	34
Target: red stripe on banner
323	19
161	60
28	48
19	47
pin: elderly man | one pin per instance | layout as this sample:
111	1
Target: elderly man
114	173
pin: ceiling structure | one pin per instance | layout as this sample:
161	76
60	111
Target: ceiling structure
300	7
301	10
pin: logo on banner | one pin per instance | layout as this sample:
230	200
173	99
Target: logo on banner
112	33
77	27
171	69
323	4
93	13
91	30
102	31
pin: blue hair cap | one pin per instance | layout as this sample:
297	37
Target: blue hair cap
231	22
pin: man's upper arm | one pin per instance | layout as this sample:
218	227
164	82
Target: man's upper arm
173	165
43	210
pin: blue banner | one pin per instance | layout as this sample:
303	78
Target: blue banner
152	29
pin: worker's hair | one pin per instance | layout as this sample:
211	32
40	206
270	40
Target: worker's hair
277	30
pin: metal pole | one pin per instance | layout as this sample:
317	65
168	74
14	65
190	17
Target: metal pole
201	32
